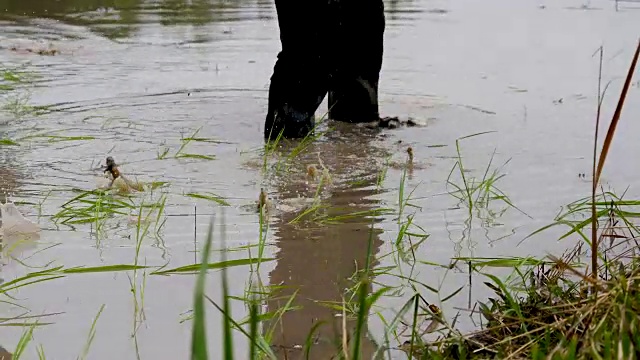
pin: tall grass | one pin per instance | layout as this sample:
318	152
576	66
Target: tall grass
605	149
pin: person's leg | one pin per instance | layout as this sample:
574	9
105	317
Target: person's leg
300	78
357	61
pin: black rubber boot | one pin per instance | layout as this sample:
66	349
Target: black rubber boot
292	124
300	76
355	101
330	46
357	53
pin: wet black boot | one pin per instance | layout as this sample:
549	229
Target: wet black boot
300	76
356	58
343	57
292	124
291	112
355	101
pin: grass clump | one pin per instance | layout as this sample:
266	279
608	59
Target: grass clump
552	314
568	310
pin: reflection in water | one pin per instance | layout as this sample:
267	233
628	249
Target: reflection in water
122	14
396	8
317	260
118	19
9	182
196	12
4	354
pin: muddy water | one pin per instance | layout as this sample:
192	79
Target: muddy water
139	75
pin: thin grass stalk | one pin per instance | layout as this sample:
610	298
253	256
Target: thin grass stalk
414	324
363	308
92	334
616	116
309	341
253	311
605	150
345	340
227	336
594	219
41	355
26	337
258	341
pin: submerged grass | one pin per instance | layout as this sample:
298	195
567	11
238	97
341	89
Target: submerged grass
92	334
477	194
209	196
549	308
545	312
15	92
185	141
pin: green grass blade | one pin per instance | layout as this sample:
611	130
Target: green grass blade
226	323
92	334
218	265
199	335
210	197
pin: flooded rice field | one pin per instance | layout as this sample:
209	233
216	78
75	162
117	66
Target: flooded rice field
176	92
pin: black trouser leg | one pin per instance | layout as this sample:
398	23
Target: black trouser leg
300	76
356	53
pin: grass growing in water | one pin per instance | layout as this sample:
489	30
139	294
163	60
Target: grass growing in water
551	311
15	93
181	154
565	313
557	318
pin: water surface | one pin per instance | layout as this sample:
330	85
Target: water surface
139	75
